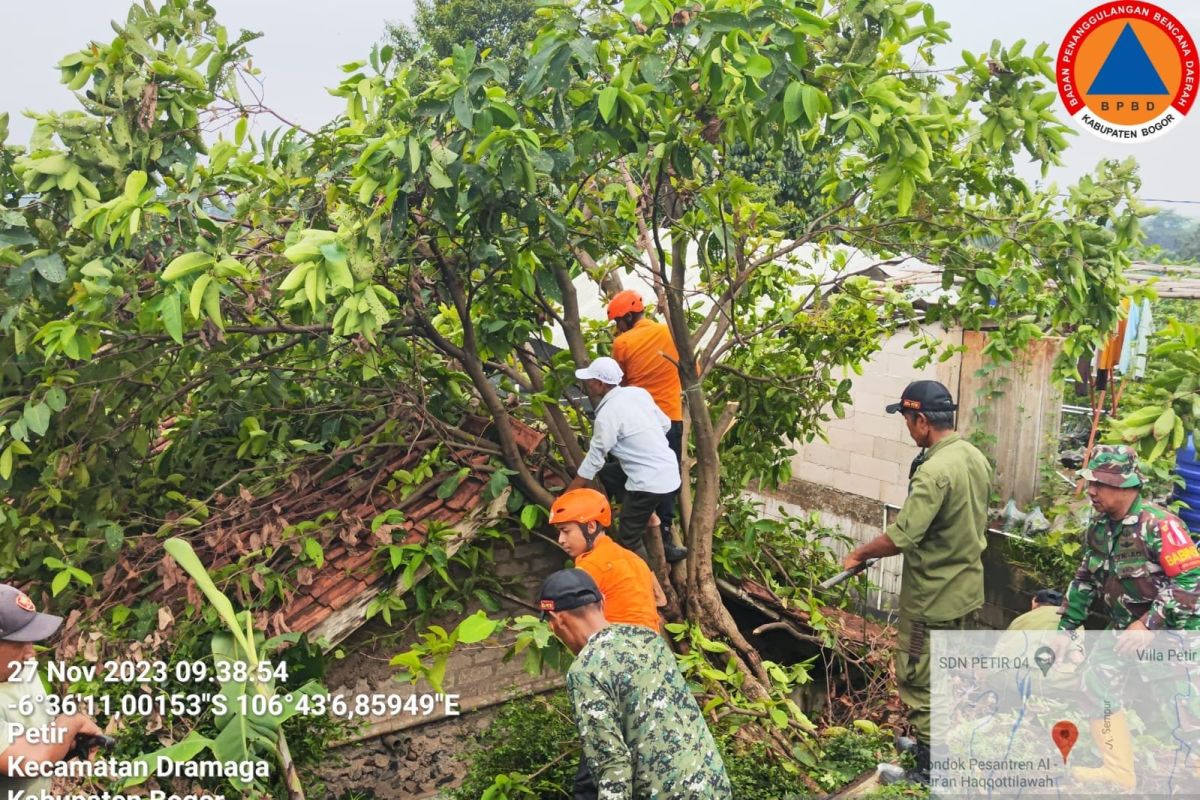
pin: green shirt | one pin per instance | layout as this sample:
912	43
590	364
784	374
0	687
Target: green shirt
642	732
10	699
1042	618
1144	567
942	532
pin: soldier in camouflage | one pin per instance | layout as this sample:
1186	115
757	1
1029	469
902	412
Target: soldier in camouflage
1141	562
1138	559
642	732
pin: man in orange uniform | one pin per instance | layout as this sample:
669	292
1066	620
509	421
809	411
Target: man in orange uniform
632	595
647	355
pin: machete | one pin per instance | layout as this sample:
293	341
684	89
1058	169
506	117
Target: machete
847	574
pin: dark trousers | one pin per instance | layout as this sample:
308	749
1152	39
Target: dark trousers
585	784
666	506
636	508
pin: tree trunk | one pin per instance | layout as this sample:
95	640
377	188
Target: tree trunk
704	602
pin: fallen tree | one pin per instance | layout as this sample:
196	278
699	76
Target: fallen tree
179	318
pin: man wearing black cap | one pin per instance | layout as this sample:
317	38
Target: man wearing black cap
42	739
1043	613
642	732
941	530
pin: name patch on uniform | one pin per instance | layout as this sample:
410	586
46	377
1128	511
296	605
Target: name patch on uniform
1179	553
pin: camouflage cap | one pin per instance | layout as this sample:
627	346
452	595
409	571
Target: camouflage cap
1113	465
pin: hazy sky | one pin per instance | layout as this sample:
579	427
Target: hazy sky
305	40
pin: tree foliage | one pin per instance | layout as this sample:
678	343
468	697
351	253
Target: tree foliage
180	320
502	29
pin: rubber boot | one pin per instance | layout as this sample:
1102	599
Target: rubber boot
920	773
1116	761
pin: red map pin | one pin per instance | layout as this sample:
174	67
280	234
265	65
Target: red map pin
1065	734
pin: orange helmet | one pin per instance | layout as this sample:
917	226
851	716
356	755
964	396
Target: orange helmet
626	302
582	506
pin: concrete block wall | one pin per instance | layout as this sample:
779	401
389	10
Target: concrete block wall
869	451
861	470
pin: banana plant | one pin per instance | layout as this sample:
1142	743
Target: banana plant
1167	404
243	734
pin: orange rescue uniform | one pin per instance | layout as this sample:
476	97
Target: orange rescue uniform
647	356
625	581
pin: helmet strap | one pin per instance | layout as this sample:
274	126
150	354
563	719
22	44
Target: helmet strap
590	538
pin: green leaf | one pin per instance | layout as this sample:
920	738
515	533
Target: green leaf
56	398
186	264
196	295
181	551
814	99
180	752
530	515
172	316
476	628
15	237
95	269
314	551
37	418
759	66
438	178
6	463
212	304
904	195
448	486
134	184
608	102
51	268
59	583
793	106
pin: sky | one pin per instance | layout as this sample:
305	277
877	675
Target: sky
305	41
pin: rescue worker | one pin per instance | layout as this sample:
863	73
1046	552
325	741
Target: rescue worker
647	355
642	732
630	428
632	595
1141	563
44	739
941	530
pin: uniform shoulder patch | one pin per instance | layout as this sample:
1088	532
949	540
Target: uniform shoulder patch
1179	553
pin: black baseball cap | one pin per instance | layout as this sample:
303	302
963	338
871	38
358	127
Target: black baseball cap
924	396
567	589
1048	597
20	620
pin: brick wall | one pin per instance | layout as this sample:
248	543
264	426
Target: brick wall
412	757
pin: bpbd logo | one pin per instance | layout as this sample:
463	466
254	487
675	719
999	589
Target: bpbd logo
1127	71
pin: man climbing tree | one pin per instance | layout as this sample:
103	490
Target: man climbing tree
642	471
646	354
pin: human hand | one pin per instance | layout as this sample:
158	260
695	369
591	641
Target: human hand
80	725
1130	640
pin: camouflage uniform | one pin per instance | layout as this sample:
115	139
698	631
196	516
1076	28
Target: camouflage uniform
643	735
1145	566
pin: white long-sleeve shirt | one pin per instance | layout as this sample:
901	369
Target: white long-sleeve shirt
630	425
